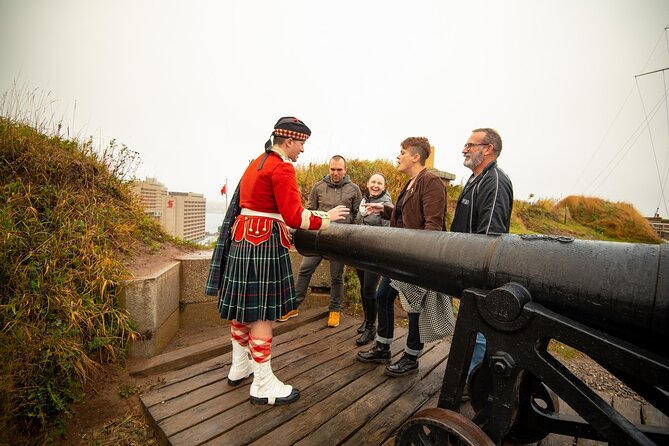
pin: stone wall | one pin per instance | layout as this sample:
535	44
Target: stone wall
153	305
173	297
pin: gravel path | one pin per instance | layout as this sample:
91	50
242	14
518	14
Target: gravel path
599	379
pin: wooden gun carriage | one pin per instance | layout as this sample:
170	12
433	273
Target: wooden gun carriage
608	300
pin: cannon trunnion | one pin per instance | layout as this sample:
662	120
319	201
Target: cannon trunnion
607	300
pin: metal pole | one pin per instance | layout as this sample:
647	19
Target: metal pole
652	72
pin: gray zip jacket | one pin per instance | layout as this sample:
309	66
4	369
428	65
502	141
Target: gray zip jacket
326	195
374	219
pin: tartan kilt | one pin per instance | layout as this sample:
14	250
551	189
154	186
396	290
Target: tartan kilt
257	283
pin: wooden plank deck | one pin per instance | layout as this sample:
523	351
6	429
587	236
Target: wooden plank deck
343	401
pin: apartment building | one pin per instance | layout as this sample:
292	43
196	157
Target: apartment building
181	214
152	194
184	215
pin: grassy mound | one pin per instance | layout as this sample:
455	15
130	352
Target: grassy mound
66	219
585	218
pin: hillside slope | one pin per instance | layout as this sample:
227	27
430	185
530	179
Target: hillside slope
66	222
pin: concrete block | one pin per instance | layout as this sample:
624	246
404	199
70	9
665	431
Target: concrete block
194	272
147	347
200	314
320	278
153	303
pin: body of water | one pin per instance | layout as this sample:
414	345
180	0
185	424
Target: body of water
212	220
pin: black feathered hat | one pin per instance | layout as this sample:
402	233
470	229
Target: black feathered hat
289	127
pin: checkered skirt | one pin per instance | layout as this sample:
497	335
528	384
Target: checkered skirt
436	318
257	283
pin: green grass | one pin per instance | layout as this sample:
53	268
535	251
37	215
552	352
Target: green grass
563	351
67	221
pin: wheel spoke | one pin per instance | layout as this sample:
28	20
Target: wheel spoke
437	427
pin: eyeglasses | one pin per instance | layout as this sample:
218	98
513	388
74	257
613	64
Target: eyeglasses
469	145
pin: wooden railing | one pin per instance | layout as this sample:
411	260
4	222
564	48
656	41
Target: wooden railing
661	227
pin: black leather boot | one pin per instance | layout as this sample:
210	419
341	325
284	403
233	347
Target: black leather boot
379	353
367	335
407	365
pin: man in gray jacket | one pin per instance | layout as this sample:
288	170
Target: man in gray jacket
334	189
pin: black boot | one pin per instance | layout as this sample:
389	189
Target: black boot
379	353
362	326
367	335
407	365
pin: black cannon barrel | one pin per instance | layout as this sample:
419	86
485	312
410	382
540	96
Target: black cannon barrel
620	288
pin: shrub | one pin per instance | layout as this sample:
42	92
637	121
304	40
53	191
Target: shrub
66	219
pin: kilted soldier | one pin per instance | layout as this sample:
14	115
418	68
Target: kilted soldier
250	269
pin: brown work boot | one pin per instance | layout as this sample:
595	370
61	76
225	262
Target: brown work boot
285	317
333	319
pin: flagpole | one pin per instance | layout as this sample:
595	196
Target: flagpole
226	194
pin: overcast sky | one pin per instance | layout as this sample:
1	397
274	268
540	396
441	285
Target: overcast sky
196	86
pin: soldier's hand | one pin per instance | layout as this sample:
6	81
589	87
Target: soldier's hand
338	213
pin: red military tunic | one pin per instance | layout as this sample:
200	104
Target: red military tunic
273	189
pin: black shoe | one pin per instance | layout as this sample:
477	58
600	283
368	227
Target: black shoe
379	353
407	365
362	326
367	336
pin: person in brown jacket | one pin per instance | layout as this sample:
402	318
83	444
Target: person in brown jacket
420	205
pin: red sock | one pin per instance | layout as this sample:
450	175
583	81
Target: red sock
240	333
260	349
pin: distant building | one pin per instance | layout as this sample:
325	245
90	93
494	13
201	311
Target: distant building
184	215
181	214
152	194
446	177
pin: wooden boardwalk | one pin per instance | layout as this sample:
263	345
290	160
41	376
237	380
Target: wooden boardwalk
343	401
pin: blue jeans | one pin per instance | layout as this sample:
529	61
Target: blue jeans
385	297
477	355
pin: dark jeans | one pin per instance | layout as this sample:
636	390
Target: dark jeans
385	297
368	283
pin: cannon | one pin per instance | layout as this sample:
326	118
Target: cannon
608	300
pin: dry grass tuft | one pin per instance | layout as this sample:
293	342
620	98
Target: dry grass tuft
129	430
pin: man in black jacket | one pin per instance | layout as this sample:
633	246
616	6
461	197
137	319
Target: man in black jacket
485	203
